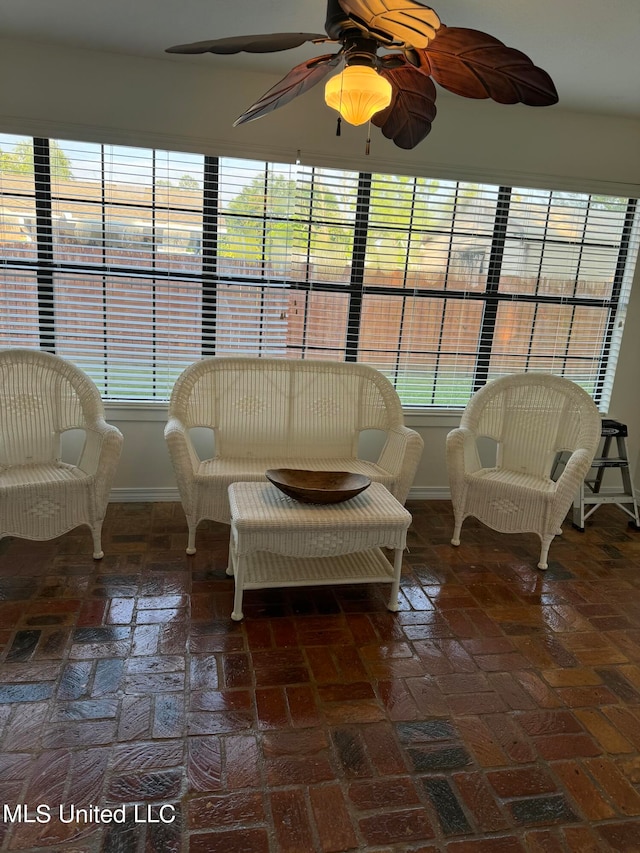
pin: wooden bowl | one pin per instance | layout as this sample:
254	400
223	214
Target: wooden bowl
318	487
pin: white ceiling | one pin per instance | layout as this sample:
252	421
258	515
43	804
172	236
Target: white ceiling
591	48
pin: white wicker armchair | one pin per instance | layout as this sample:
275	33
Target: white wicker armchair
282	413
531	417
41	497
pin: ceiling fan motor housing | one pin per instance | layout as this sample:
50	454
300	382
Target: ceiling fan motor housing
360	50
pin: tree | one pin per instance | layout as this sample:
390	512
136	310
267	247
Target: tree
268	220
274	218
398	204
599	202
20	160
188	182
185	182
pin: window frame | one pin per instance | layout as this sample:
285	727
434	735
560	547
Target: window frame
356	289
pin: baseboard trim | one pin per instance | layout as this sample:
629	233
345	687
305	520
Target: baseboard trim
154	495
429	493
167	493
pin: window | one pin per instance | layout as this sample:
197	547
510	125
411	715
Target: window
135	262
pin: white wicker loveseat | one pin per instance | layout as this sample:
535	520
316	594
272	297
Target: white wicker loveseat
531	417
282	413
41	496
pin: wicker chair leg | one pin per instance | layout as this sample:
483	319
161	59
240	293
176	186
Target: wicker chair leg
455	539
191	543
237	615
96	533
544	551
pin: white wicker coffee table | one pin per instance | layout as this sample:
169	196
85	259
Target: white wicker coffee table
277	541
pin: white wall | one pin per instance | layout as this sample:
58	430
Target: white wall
184	105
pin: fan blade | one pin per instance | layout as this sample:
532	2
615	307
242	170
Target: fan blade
405	21
407	119
267	43
298	81
476	65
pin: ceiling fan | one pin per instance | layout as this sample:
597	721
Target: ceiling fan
422	49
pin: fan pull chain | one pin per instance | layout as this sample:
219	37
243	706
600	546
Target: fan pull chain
367	147
339	124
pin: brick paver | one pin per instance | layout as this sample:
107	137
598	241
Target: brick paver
498	711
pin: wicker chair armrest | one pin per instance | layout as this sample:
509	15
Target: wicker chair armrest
462	452
400	456
572	476
100	457
102	447
181	446
184	459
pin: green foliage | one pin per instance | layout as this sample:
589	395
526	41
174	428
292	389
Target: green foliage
275	217
405	211
266	220
20	160
188	182
598	202
397	201
185	182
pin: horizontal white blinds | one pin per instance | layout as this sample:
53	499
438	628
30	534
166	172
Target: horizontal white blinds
19	321
138	278
457	283
135	262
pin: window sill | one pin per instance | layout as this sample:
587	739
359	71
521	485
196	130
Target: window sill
158	412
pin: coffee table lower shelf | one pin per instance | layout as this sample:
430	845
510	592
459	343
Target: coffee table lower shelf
262	570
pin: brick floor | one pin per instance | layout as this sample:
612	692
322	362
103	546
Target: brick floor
498	710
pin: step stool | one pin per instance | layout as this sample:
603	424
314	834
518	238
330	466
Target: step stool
590	494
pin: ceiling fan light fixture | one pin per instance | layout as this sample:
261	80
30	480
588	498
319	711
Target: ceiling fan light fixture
358	93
